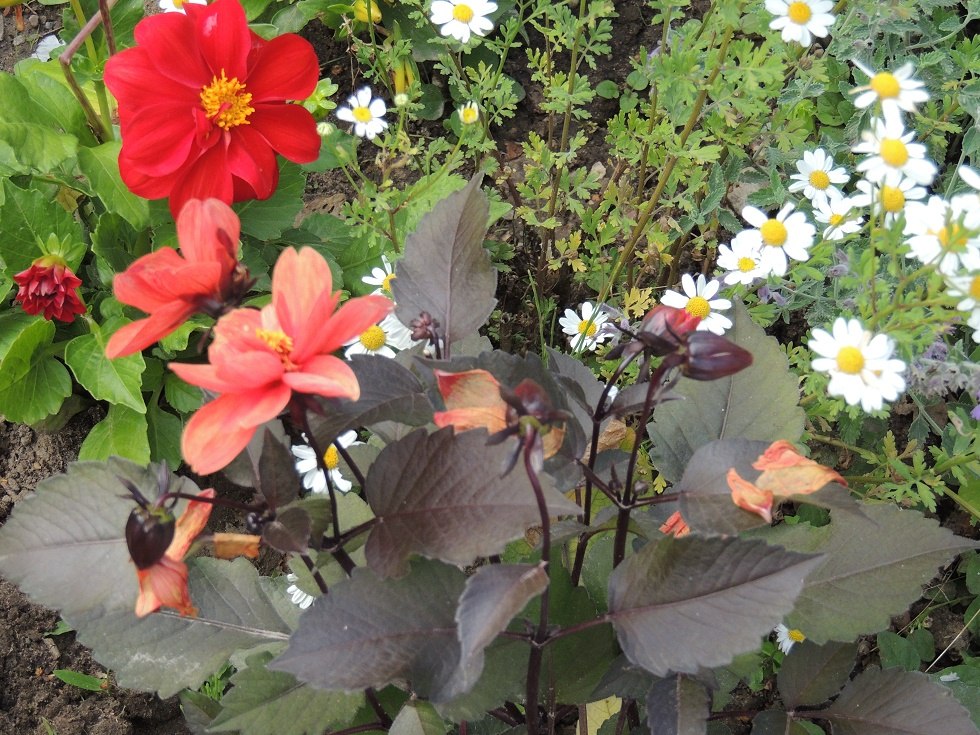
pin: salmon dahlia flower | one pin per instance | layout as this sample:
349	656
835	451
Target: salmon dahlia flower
203	106
259	357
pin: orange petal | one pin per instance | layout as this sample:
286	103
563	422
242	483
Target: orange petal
190	524
298	280
778	455
348	321
230	545
675	526
208	231
164	585
137	336
749	497
325	375
787	472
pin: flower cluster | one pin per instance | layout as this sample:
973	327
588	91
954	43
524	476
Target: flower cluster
49	288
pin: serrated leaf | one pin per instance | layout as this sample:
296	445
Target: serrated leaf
36	394
682	604
262	701
445	270
20	336
50	95
442	496
182	396
418	718
369	632
266	219
893	701
28	147
874	567
812	674
677	706
122	433
101	166
163	431
27	216
116	381
758	403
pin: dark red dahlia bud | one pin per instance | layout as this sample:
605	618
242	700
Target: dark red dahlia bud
149	532
530	399
424	327
48	288
663	328
709	357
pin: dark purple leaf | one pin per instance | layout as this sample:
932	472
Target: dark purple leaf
290	531
677	705
812	674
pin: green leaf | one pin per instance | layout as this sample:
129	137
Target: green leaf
679	605
20	336
182	396
677	705
896	652
607	89
26	217
122	433
101	166
757	403
418	718
163	431
812	674
972	570
46	88
29	147
266	219
36	394
336	151
116	381
82	681
262	701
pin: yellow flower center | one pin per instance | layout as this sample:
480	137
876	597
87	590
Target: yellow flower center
362	114
698	306
892	199
953	238
799	12
975	288
386	283
226	103
278	342
885	85
179	4
797	636
836	219
773	233
819	180
463	13
331	458
746	264
587	329
894	152
850	360
469	115
373	338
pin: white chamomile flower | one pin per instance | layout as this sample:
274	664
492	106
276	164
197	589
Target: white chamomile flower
838	214
817	177
382	339
860	364
787	235
366	112
581	334
786	638
313	478
895	92
970	177
972	198
698	300
974	323
942	234
469	114
381	277
888	196
966	288
460	18
742	260
800	20
301	599
889	148
177	6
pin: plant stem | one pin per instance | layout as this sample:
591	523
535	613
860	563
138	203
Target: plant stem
314	570
372	698
541	635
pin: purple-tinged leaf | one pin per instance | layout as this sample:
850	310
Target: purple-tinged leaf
369	632
274	471
445	270
442	496
493	596
812	674
677	705
290	531
894	701
777	722
679	605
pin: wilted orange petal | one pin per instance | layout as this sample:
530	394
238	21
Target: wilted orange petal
778	455
472	401
230	545
787	472
164	585
464	419
190	524
675	526
749	497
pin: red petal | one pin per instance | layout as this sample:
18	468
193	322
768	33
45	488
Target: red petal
286	68
349	321
208	231
224	37
299	279
134	80
160	144
289	129
170	42
251	159
164	585
207	177
139	335
325	375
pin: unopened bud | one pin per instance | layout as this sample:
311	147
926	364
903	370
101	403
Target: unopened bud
148	535
710	356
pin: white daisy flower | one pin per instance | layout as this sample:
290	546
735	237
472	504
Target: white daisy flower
366	112
800	20
381	277
889	149
581	334
974	323
301	599
970	199
895	92
382	339
313	478
786	638
838	214
786	234
460	18
889	195
177	6
859	363
970	177
742	260
942	234
698	300
817	177
469	113
966	288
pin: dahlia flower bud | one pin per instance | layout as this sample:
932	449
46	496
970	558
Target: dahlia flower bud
48	288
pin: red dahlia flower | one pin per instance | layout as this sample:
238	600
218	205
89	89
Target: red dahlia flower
48	288
258	358
171	286
202	106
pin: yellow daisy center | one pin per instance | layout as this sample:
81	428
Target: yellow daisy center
362	114
885	85
280	343
797	636
587	329
469	115
746	264
774	233
799	12
894	152
892	199
226	103
463	13
698	306
836	219
819	180
331	458
975	288
179	4
952	238
850	360
386	283
373	338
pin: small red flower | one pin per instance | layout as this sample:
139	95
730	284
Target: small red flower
171	286
202	106
48	288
